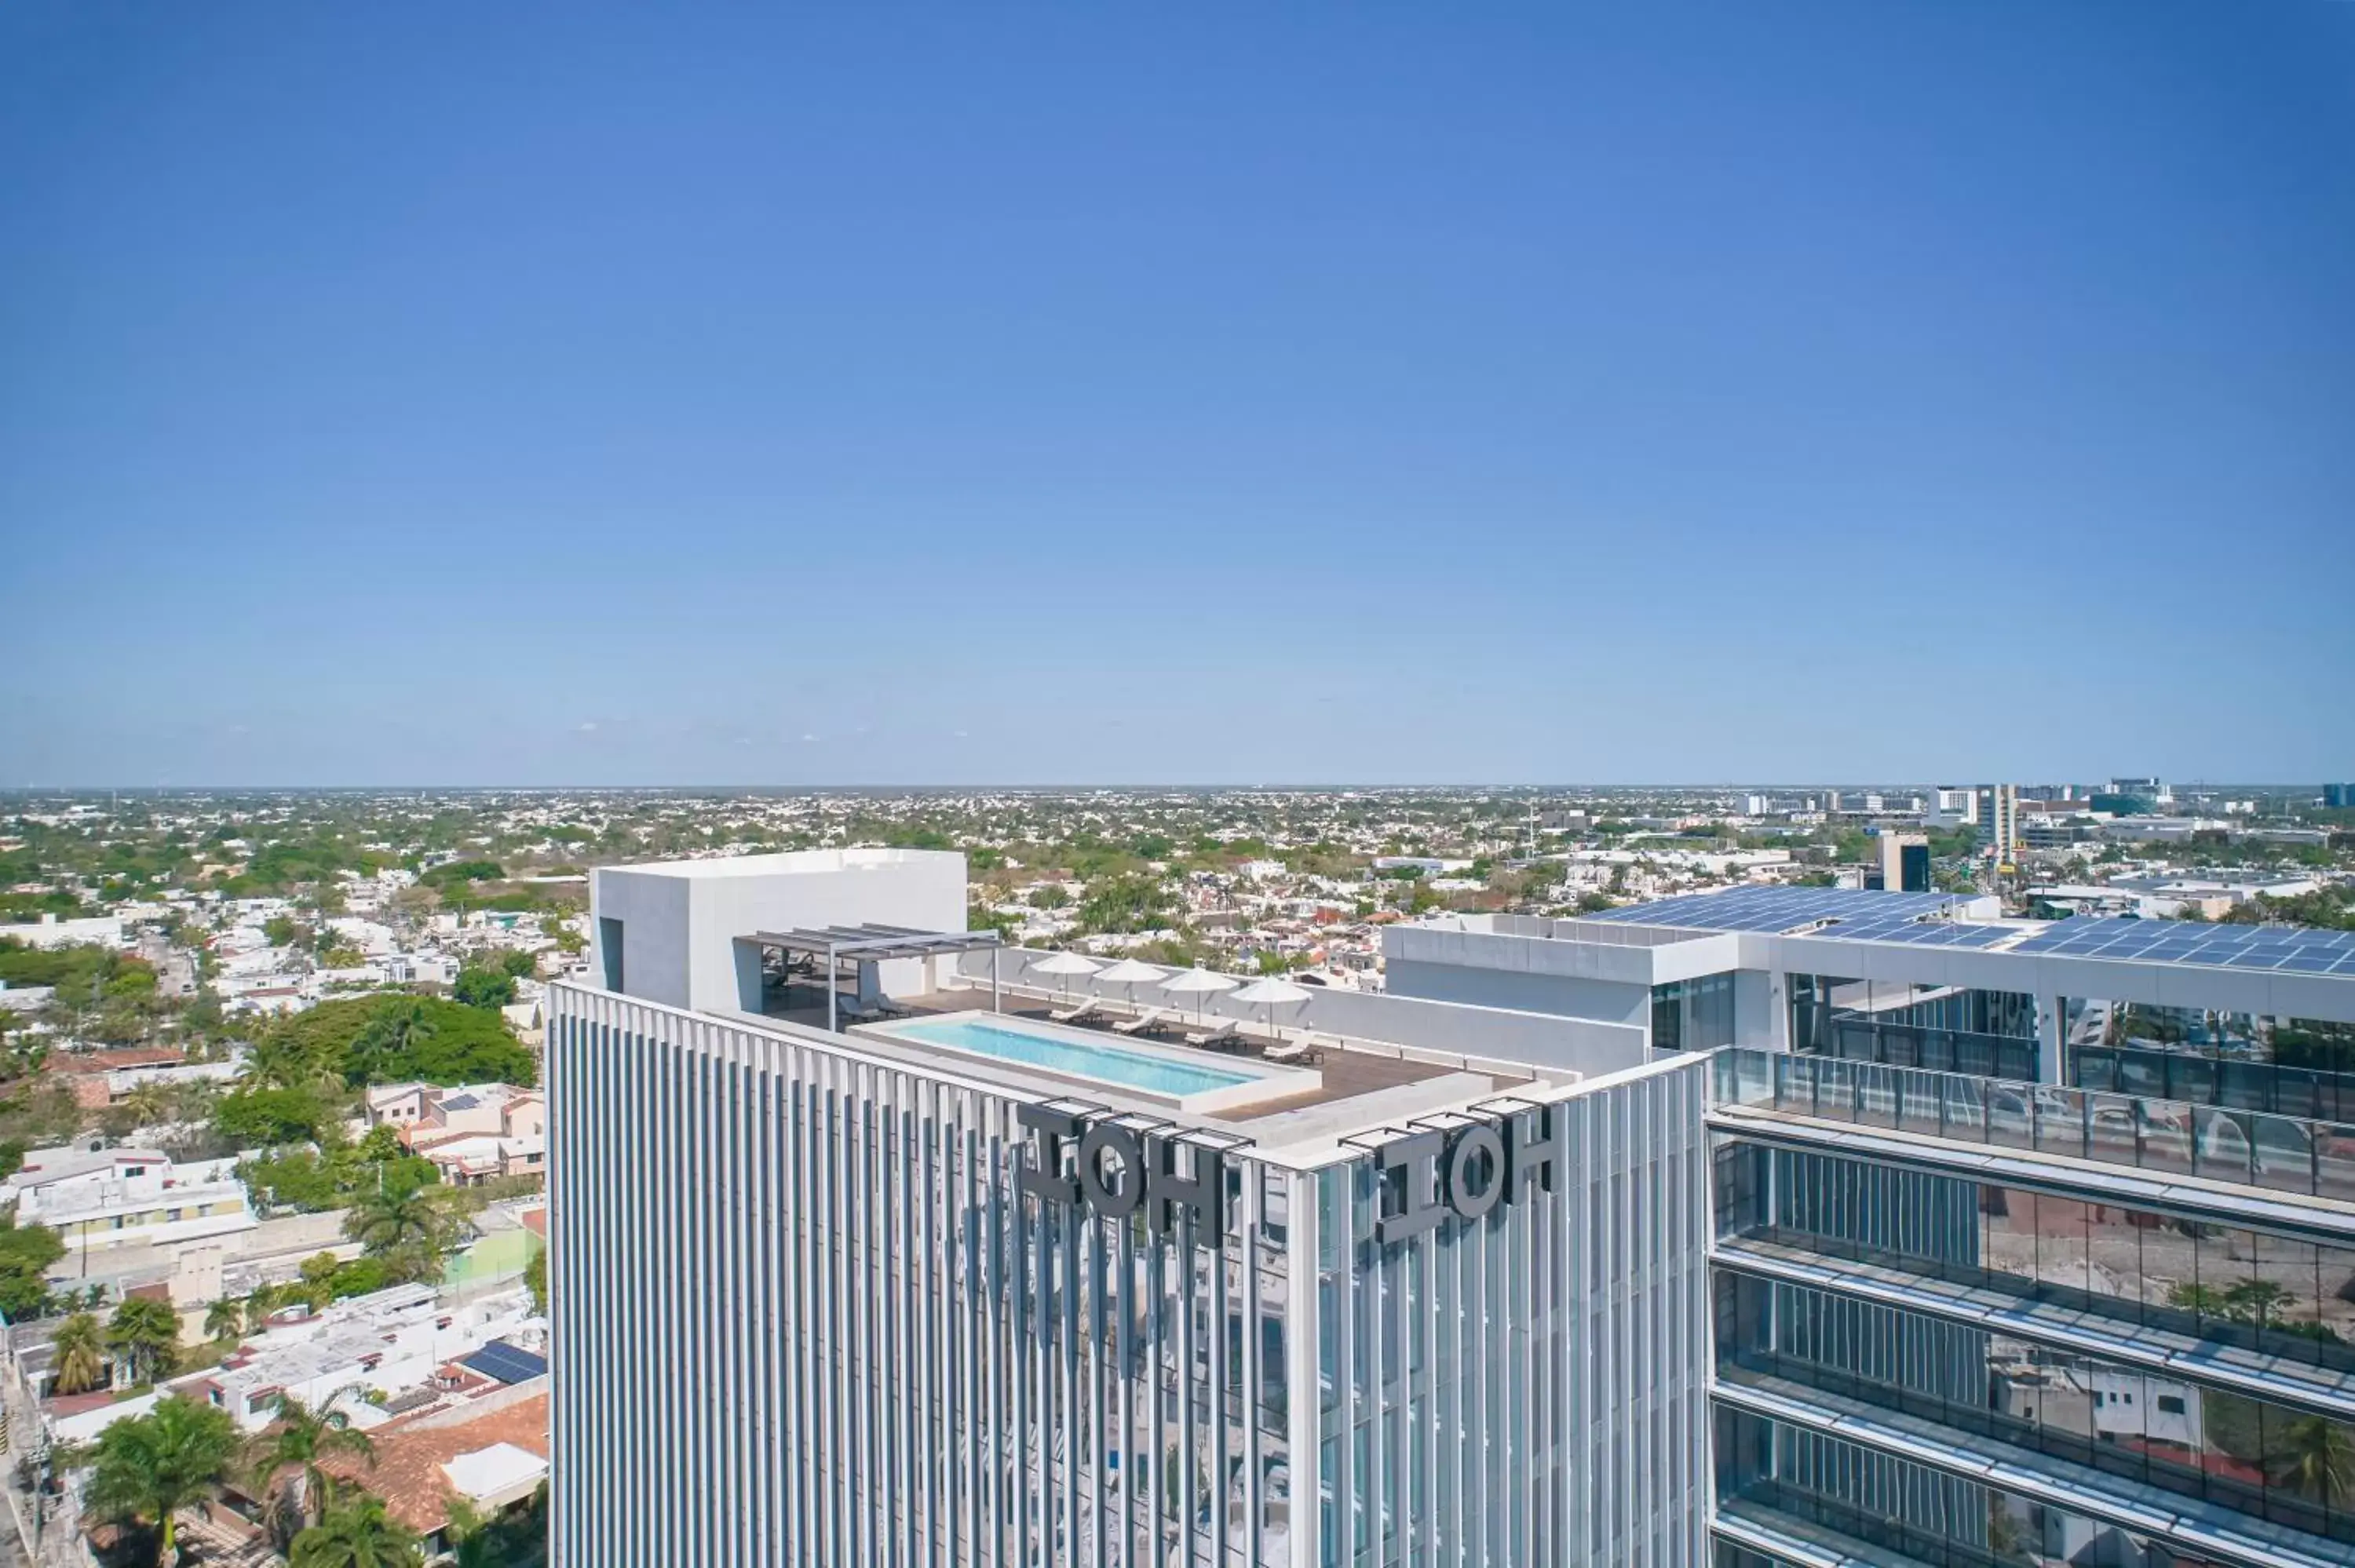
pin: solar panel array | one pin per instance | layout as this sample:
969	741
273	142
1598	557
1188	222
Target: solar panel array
1785	909
1919	920
2293	949
1920	933
508	1363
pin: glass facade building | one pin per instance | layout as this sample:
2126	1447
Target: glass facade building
817	1303
1898	1250
2033	1244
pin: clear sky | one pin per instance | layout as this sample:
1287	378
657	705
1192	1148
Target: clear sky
1783	389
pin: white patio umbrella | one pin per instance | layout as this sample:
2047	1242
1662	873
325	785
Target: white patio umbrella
1065	964
1270	991
1199	983
1130	972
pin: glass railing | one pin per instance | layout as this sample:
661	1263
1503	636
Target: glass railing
2253	1148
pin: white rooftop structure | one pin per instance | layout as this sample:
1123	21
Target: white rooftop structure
497	1475
668	931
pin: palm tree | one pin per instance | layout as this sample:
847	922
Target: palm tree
468	1536
225	1318
146	1331
304	1438
151	1103
2317	1458
406	1220
150	1467
388	1036
79	1354
357	1534
282	1062
260	1303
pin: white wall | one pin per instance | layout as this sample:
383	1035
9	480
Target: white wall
652	909
1571	996
680	920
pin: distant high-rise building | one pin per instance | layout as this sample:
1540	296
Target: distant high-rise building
1904	863
2338	796
1998	818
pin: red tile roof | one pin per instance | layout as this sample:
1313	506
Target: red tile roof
409	1458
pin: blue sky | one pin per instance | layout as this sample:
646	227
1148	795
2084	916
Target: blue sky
1771	389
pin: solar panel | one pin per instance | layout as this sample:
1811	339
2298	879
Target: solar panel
2297	949
507	1363
1781	908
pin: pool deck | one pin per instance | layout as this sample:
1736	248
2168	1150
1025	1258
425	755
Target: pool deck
1348	1074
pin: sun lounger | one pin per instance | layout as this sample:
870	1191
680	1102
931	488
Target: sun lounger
1085	1007
1313	1046
1144	1023
1291	1051
1226	1033
875	1012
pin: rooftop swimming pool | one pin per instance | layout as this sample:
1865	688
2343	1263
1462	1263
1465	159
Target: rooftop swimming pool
1181	1076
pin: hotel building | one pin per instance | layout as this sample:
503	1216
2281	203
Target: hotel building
1784	1225
973	1287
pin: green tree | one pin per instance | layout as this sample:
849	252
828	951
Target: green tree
2317	1458
77	1356
149	1104
225	1318
406	1226
491	988
145	1332
267	1117
286	1060
2256	1301
26	1254
302	1439
357	1534
535	1279
147	1468
474	1536
319	1277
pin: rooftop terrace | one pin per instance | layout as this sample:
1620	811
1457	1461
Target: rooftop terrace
1347	1071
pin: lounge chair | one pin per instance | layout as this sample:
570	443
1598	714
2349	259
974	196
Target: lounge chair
1145	1022
1085	1007
1289	1051
858	1011
1228	1032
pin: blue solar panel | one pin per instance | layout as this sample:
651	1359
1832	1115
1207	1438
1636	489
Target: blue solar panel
507	1363
2297	949
1781	908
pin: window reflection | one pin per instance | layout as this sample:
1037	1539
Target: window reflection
2268	1459
2292	1067
2293	1299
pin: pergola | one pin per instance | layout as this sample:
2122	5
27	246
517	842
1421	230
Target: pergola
873	943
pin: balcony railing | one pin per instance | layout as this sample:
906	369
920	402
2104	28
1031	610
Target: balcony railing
2251	1149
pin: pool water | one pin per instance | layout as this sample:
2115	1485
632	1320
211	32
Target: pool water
1073	1058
